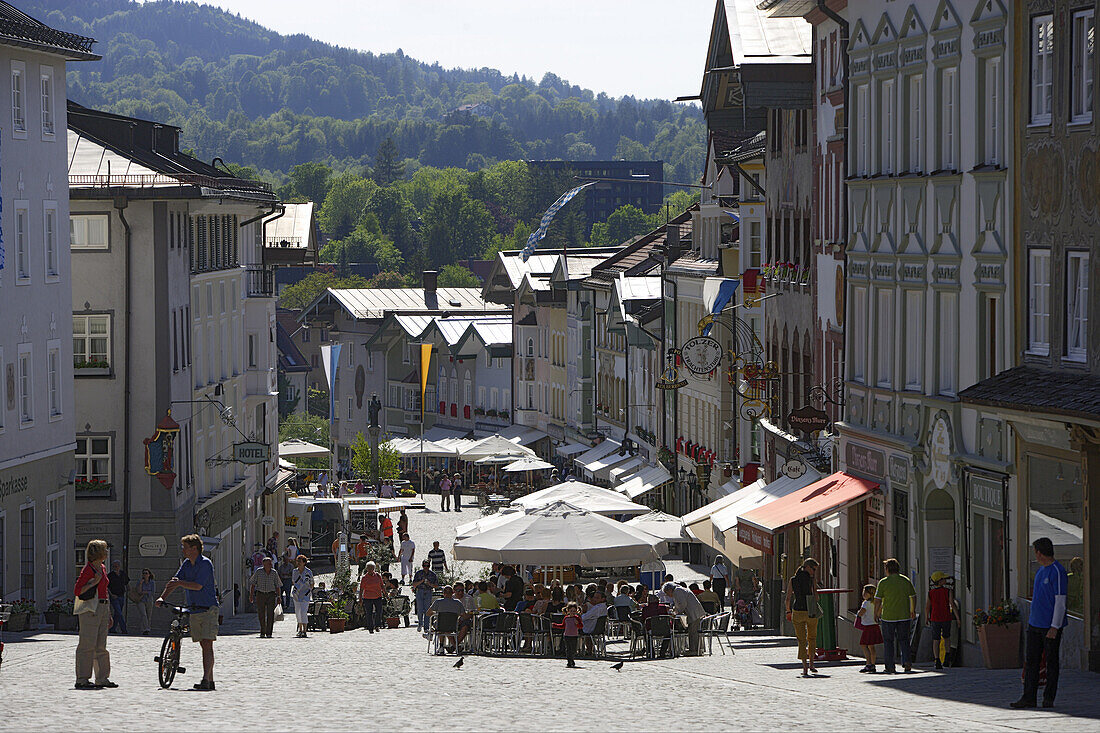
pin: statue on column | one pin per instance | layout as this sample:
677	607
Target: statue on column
374	407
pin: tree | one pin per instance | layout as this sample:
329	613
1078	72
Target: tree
457	276
456	227
365	244
345	203
624	223
311	181
306	290
389	461
388	166
388	280
310	428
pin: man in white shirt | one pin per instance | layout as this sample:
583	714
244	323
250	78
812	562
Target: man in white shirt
405	554
589	617
688	605
719	579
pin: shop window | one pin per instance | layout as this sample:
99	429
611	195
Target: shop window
1056	509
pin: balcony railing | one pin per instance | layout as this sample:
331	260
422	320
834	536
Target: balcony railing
261	282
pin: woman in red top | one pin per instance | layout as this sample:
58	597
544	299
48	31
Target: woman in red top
371	592
95	619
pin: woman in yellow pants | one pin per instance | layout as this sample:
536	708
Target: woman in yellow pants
802	611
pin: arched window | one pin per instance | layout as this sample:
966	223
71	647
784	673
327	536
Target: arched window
530	347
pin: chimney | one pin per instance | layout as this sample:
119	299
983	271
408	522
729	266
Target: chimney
430	278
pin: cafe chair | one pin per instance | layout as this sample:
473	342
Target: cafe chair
440	626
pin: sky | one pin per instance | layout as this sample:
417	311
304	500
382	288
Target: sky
647	48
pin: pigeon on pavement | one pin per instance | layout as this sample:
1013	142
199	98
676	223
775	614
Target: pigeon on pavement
618	666
458	664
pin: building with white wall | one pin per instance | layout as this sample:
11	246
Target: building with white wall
38	556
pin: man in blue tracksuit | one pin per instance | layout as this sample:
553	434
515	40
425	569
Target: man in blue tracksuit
1044	625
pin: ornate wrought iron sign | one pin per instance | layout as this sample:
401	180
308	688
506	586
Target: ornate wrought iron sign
702	354
808	419
159	451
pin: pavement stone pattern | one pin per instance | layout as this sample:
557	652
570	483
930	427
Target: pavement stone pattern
330	681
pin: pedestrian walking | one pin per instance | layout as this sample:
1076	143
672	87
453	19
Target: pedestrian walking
456	491
145	592
372	591
423	583
117	584
286	578
292	551
895	609
803	612
444	493
196	577
719	579
263	593
870	633
302	582
402	523
362	551
93	613
1044	626
438	559
408	550
941	606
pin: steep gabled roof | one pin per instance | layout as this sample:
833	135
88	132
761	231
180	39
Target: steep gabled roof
19	29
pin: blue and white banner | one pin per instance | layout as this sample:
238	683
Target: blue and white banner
548	217
717	294
733	215
330	357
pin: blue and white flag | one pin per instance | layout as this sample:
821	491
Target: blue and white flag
548	217
717	293
732	215
330	357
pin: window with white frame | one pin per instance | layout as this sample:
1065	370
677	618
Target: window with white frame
49	238
949	120
406	352
46	89
481	397
1038	301
755	244
53	378
55	518
506	399
467	390
26	384
886	122
18	97
948	327
1082	65
1042	68
991	117
351	401
884	316
93	459
859	334
1077	305
914	339
915	124
91	341
863	130
22	242
88	231
530	347
494	394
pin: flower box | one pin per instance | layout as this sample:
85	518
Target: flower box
1000	645
65	622
17	622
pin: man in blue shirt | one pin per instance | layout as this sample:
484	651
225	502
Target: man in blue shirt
196	577
1044	625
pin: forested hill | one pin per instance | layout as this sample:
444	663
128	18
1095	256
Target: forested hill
270	101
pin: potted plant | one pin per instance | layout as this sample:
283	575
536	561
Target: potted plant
60	614
337	617
22	612
999	633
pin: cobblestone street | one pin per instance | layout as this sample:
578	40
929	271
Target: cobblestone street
387	681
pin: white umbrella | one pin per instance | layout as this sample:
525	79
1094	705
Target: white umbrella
488	460
295	447
426	448
507	514
586	496
659	524
561	534
528	464
494	445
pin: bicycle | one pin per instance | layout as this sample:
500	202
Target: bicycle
169	659
5	614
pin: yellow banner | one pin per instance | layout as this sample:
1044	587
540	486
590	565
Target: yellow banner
425	364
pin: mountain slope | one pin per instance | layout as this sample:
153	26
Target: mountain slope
272	101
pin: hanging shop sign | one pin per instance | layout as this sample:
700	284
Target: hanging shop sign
864	460
808	419
670	378
153	546
159	451
899	470
251	452
701	354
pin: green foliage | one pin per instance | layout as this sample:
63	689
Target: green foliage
366	243
308	182
272	102
345	203
306	290
390	280
389	461
311	428
457	276
456	227
387	166
624	223
317	404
